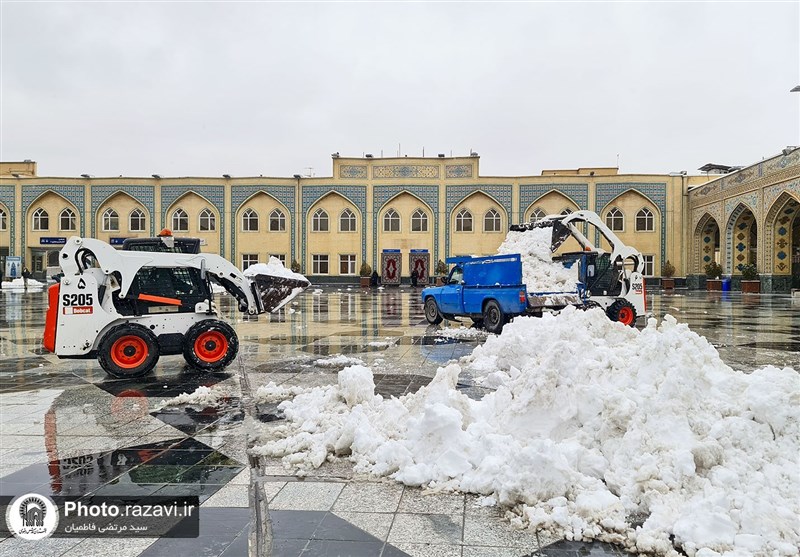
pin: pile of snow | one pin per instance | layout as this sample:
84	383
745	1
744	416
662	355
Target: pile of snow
19	283
202	396
539	272
273	393
595	431
273	268
337	360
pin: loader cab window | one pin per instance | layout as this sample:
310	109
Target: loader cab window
163	290
600	275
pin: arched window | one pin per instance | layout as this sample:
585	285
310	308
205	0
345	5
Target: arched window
110	221
391	221
136	221
464	221
3	220
419	221
536	215
208	221
277	221
566	212
41	220
347	221
319	222
645	221
615	220
491	221
180	221
67	220
249	221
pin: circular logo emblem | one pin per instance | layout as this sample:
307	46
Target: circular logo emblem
32	516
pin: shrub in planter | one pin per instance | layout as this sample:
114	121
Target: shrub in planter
750	279
441	271
714	272
667	272
365	273
295	267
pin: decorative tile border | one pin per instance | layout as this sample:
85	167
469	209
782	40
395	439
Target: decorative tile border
406	171
501	193
458	171
357	195
285	195
353	171
700	217
429	195
655	192
213	194
8	198
143	194
73	194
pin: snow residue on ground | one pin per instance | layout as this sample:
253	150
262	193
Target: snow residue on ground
19	283
461	333
273	268
595	431
202	396
274	393
388	343
539	272
337	360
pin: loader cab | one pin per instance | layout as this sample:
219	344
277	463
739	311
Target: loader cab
164	290
601	276
164	242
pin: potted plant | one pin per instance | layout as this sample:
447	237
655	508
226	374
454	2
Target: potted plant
295	267
441	272
750	281
365	272
714	272
667	274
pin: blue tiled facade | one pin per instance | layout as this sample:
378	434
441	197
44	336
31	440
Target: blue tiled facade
529	193
143	194
501	193
215	195
73	194
285	195
8	198
357	195
427	194
656	192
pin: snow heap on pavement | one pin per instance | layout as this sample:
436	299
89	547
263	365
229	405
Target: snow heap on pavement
19	284
595	431
539	272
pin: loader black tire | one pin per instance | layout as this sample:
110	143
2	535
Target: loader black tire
493	317
432	313
128	350
210	345
622	311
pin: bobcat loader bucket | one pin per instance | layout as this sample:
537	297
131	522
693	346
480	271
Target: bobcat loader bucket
277	291
560	231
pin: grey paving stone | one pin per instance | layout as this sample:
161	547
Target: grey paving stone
375	524
369	497
307	496
415	500
440	529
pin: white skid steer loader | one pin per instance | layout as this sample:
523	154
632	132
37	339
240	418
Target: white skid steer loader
129	307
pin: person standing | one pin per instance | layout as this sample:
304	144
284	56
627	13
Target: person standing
414	278
25	276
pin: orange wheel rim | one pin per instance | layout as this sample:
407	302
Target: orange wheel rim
626	316
211	346
129	351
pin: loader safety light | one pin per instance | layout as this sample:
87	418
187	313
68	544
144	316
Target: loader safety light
522	296
165	232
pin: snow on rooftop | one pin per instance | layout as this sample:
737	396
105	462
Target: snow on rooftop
595	431
539	272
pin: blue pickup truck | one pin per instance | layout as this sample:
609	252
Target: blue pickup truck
490	290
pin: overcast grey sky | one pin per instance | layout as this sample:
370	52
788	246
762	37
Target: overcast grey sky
273	88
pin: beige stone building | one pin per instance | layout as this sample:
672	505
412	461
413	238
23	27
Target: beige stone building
408	212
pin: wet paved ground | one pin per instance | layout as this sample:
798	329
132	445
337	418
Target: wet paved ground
68	429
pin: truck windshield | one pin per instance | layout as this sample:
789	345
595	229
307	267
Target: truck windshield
456	276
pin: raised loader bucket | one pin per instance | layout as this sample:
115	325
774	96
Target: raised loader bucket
275	291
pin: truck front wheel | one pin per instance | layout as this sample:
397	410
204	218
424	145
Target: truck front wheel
493	318
622	311
432	313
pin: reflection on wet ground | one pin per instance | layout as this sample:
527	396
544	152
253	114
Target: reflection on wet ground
68	429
